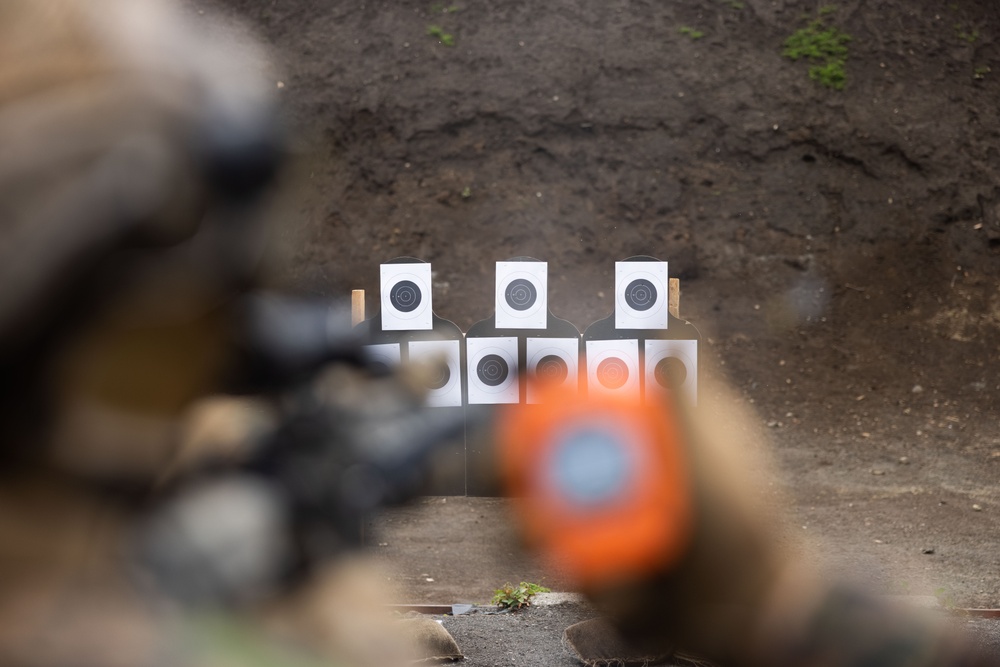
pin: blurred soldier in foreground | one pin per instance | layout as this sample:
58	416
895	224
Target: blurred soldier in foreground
136	150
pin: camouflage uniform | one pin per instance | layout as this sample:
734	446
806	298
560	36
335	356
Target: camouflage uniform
137	143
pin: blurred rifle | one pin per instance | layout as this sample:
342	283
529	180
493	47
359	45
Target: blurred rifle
139	147
346	437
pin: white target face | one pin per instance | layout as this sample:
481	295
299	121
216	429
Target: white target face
385	356
406	297
672	363
613	367
641	295
443	356
522	295
552	362
492	370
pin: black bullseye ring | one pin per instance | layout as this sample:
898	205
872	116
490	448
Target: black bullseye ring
520	294
492	370
670	372
405	296
440	379
640	294
552	369
612	373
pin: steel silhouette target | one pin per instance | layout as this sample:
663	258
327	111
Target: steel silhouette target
406	330
667	345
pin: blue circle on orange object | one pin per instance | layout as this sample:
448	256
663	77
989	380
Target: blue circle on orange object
590	466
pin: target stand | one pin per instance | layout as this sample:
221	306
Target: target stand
643	348
406	330
521	344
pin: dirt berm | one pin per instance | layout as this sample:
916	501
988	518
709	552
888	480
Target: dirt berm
839	249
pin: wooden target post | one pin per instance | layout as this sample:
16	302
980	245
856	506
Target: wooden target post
357	307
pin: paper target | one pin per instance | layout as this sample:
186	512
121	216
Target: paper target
522	295
445	384
552	362
492	370
672	363
641	295
382	356
613	366
406	297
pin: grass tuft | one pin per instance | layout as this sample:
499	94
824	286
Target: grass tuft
446	38
825	47
516	597
691	32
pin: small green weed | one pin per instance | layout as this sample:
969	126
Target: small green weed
980	72
944	598
826	10
735	4
440	35
441	8
516	597
825	47
691	32
968	35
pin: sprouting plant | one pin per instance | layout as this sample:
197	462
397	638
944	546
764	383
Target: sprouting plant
831	74
466	192
441	8
691	32
969	35
944	598
438	33
735	4
826	10
825	47
516	597
980	72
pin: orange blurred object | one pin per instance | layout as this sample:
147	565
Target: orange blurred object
600	483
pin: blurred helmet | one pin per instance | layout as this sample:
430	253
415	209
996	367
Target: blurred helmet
136	141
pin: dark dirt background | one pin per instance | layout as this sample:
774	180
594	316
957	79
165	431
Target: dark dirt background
839	250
